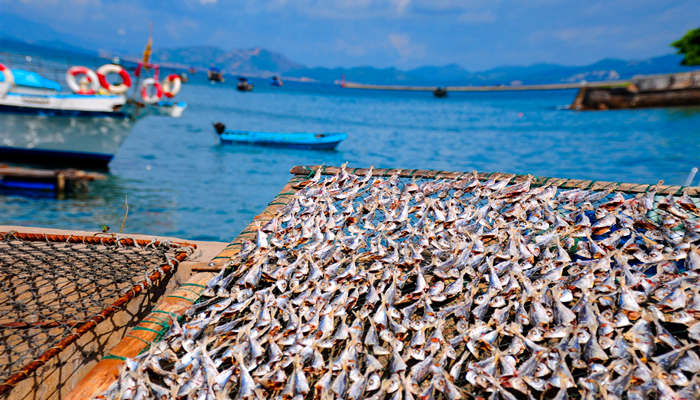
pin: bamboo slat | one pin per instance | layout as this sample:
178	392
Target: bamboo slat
151	328
108	239
537	180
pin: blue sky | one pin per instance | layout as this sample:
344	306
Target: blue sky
476	34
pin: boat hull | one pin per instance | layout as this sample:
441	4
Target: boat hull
67	129
62	140
55	157
286	140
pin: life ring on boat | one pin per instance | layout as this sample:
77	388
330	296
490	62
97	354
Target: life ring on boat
107	69
151	98
176	81
92	80
8	80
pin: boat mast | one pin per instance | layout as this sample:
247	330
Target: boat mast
145	63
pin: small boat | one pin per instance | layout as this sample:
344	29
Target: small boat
296	140
440	92
276	81
214	74
243	85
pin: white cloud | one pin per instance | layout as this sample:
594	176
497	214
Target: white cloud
208	1
406	48
401	5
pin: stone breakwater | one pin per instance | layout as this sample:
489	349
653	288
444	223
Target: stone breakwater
649	91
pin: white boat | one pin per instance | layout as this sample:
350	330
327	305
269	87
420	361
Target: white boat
41	124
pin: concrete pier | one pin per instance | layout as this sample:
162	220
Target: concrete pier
493	88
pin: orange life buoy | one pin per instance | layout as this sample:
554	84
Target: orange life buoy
151	98
107	69
176	81
8	80
93	81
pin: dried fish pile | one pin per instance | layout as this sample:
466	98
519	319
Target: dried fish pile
380	288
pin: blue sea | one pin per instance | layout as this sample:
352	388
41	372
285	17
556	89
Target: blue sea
179	181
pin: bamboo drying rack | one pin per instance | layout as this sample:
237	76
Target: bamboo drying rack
152	327
162	271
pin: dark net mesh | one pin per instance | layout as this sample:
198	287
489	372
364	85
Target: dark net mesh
49	288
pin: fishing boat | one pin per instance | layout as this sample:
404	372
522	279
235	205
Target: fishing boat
214	74
42	123
296	140
244	85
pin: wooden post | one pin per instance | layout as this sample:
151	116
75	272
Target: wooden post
60	182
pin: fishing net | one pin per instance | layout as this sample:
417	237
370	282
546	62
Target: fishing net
55	288
381	287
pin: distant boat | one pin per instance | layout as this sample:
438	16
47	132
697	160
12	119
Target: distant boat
276	81
191	70
214	74
243	85
440	92
296	140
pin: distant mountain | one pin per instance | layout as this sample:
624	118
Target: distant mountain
17	35
255	61
261	62
606	69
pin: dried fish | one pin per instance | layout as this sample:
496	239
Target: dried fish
378	288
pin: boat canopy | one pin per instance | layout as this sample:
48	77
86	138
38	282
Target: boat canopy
33	80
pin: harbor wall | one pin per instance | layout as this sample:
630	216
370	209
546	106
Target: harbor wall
668	90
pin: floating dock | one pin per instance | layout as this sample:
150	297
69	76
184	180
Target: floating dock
50	180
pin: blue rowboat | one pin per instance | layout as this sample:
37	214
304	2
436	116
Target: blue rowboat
297	140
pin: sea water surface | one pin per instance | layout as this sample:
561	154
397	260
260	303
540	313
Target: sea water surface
179	181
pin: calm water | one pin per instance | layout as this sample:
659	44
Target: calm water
181	182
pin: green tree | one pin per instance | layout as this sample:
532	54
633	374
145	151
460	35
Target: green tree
689	45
